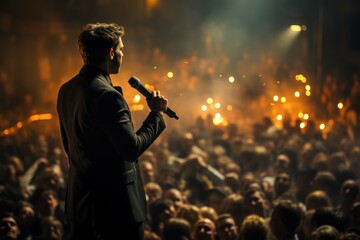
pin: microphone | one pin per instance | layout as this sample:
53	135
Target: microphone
136	83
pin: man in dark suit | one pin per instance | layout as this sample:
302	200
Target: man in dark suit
105	195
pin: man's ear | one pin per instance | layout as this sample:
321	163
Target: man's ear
111	53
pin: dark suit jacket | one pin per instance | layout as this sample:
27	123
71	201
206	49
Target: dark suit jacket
104	182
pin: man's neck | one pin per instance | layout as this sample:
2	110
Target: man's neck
103	66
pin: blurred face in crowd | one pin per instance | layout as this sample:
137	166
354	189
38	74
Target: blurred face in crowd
282	183
349	190
27	215
47	204
204	229
9	229
226	229
282	162
175	196
147	172
255	203
53	230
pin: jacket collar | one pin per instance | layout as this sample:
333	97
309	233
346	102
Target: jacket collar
93	71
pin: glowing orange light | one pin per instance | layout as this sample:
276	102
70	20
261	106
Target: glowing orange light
307	87
322	126
306	116
204	108
137	98
170	74
283	99
297	94
231	79
302	125
209	100
308	93
229	107
218	119
36	117
138	107
279	117
217	105
19	124
301	78
300	115
340	105
276	98
152	3
149	87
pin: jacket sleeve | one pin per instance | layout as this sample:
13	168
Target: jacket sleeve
115	121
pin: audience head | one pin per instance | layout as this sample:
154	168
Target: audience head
317	199
255	202
204	229
254	227
329	216
177	229
176	196
325	232
189	212
226	227
9	226
285	219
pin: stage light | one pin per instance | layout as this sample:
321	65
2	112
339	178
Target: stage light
295	28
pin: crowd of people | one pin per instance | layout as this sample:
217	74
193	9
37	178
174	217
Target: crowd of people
202	182
205	181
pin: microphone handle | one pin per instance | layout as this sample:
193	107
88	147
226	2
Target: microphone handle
148	94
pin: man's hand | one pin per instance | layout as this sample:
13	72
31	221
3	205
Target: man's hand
157	102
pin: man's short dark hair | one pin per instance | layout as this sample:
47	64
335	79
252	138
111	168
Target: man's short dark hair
96	39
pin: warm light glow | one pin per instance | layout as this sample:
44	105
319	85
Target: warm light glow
308	93
19	124
322	126
204	108
218	119
152	3
283	99
217	105
300	115
301	78
231	79
229	107
340	105
45	116
307	87
209	100
138	107
295	28
306	116
170	75
297	94
279	117
6	132
276	98
302	125
149	87
137	98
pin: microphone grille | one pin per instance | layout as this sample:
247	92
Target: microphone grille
134	82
